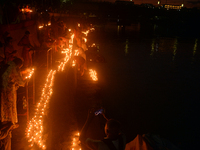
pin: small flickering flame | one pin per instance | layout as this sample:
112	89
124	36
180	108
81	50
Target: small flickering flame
76	52
93	45
93	74
85	39
85	32
92	29
40	27
73	63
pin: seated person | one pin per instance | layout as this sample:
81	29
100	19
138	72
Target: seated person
114	139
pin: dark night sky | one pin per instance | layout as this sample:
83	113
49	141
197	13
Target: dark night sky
189	3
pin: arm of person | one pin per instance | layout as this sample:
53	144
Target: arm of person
83	138
18	78
89	119
5	130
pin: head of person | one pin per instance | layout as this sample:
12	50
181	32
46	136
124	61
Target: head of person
112	128
18	62
27	33
8	40
6	34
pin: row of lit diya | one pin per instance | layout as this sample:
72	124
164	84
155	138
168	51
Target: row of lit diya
35	128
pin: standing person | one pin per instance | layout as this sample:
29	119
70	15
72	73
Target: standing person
9	52
10	81
114	140
5	135
1	14
26	54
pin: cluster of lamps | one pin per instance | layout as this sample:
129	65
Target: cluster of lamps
30	74
34	130
75	142
93	74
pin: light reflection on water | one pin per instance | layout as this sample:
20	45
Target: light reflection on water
162	46
126	47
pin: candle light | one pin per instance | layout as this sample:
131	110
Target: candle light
34	130
93	74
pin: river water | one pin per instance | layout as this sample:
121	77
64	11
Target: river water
150	81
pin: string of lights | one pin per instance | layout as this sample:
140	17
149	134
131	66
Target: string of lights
30	74
35	128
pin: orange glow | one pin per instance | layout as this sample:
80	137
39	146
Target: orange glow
93	74
75	142
92	29
85	32
30	74
93	45
85	39
34	130
76	52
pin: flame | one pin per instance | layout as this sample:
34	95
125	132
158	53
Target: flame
41	27
76	52
93	45
86	32
85	39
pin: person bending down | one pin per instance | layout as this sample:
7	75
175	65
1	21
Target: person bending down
114	140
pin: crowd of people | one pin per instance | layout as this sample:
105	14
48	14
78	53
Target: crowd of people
12	76
13	68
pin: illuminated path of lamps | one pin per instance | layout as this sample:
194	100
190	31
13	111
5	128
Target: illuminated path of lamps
34	130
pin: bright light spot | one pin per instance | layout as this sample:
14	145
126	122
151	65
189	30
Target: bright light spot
93	74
